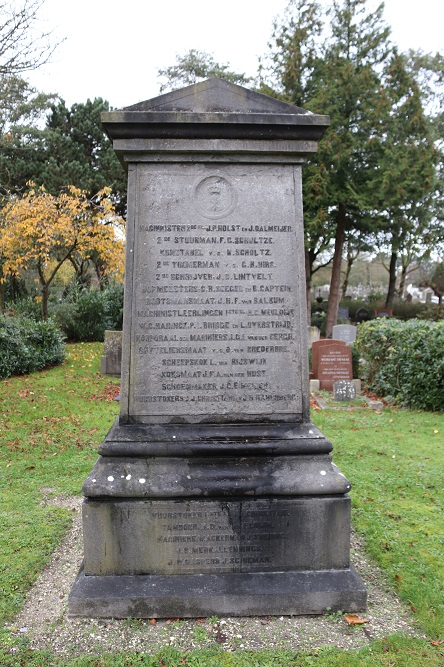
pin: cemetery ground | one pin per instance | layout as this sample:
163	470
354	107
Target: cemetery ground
51	423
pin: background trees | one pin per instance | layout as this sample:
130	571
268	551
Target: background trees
196	66
377	181
375	169
43	232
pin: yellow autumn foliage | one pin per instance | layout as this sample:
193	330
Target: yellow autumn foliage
43	231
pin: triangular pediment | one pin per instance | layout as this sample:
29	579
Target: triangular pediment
216	95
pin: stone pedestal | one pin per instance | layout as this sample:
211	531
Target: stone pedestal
214	493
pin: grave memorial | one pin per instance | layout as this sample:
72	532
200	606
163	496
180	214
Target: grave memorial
345	332
213	492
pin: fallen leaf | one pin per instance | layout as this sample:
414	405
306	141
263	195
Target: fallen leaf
436	643
153	621
398	577
355	619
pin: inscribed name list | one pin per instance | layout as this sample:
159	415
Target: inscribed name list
215	312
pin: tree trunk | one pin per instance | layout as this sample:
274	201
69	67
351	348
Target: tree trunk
2	291
392	279
335	282
45	289
350	262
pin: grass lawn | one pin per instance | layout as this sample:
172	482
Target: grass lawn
51	424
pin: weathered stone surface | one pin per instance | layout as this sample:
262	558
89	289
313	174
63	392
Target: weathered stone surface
111	362
214	493
206	536
313	335
345	332
179	477
215	316
344	390
314	385
213	109
335	363
195	595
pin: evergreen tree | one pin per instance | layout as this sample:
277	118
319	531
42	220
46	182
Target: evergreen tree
347	68
195	66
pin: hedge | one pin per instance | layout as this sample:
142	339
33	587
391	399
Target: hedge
404	361
27	345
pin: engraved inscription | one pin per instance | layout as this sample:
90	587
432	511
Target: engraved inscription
210	538
215	309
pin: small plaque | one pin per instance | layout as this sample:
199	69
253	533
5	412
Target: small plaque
344	390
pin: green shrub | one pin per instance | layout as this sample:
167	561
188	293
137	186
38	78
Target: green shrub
407	311
27	345
25	307
432	311
113	297
82	318
85	314
404	360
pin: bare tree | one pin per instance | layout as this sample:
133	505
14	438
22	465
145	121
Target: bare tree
24	45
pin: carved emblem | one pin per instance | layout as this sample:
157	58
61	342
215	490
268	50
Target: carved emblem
214	197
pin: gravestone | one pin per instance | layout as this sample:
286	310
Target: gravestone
335	363
343	313
313	335
345	332
316	349
110	363
383	312
344	390
213	492
362	315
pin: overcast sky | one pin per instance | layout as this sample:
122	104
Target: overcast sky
113	49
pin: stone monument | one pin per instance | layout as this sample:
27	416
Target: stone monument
214	493
345	332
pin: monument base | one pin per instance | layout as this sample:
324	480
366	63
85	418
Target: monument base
197	595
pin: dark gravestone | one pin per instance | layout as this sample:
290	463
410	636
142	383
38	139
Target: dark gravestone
343	313
335	363
214	493
344	390
362	315
317	348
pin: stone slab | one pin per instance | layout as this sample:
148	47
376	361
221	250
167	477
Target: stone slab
254	594
215	320
345	332
110	363
213	536
344	390
314	335
335	363
184	477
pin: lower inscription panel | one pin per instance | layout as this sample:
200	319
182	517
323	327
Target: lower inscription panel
206	536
